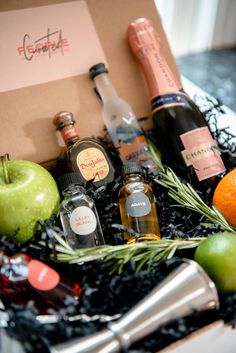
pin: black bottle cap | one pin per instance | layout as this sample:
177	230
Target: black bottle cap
97	70
132	167
68	179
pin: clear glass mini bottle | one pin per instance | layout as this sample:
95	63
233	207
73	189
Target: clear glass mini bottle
78	214
137	204
121	122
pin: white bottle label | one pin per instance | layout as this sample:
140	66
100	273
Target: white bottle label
83	221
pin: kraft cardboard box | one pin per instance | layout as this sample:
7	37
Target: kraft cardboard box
35	85
31	94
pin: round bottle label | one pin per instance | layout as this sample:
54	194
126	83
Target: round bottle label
41	276
137	205
92	164
83	221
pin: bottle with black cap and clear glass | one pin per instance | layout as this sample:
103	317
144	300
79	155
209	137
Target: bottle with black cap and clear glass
121	122
137	204
78	214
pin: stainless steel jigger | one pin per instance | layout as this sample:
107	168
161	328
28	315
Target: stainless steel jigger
185	290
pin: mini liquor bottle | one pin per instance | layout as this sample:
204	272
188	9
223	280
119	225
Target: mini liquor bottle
78	214
87	156
23	278
137	205
121	122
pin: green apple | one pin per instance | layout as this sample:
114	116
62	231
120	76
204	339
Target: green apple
30	194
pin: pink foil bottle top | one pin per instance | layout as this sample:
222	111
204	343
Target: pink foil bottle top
146	45
141	33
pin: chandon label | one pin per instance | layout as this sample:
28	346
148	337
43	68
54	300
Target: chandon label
137	205
202	152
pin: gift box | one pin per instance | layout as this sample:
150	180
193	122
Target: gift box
36	84
42	97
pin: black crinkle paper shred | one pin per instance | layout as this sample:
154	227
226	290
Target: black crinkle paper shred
110	294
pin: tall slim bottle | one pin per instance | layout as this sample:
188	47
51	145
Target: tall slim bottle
181	132
121	122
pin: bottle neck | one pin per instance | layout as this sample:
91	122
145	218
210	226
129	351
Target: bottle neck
158	74
73	189
146	45
69	135
132	178
104	87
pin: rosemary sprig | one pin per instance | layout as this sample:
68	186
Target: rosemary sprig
185	195
143	253
146	253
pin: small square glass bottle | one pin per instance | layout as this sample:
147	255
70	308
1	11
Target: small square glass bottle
78	214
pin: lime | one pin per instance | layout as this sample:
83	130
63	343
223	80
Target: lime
217	255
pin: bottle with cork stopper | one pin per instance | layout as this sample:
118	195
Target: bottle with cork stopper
87	156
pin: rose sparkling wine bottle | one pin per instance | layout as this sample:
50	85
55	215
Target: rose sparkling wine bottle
181	132
23	278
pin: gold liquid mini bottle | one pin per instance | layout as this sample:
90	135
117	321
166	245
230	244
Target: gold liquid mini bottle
137	205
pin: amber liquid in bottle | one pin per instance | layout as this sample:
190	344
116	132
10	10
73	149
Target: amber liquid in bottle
86	156
181	132
137	204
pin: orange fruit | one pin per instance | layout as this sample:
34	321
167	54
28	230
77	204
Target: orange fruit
224	198
217	254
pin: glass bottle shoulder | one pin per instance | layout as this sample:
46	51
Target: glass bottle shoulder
131	187
117	105
85	142
75	198
182	118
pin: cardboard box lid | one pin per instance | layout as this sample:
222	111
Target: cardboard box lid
26	114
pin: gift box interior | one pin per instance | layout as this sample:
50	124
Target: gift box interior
29	99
